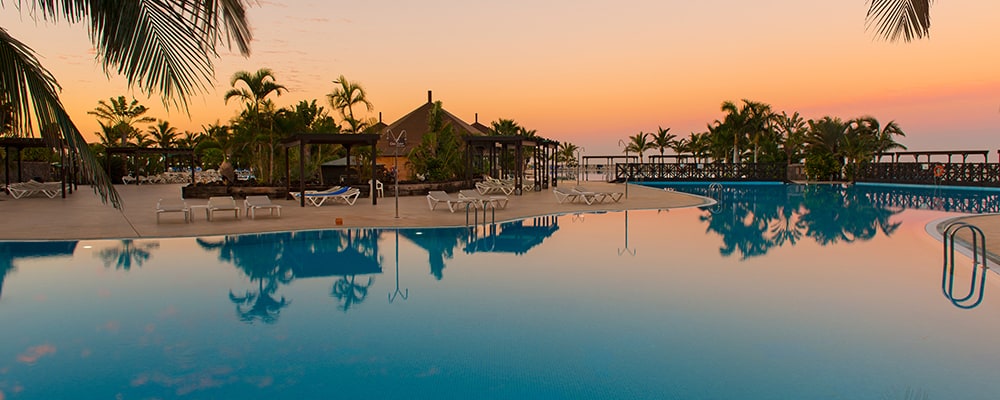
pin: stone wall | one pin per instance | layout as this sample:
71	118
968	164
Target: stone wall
281	192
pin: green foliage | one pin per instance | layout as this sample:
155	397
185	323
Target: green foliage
439	155
822	167
211	158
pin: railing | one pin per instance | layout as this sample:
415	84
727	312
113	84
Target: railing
700	172
929	173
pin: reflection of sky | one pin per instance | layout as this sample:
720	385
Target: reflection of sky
568	319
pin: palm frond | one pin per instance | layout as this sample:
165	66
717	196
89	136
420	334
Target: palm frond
164	46
31	89
900	19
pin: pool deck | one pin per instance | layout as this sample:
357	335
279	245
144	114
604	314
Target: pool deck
82	215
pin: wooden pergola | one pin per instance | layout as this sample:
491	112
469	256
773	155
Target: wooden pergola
494	148
948	153
135	152
301	140
20	144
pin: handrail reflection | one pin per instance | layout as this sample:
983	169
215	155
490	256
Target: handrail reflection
397	293
948	269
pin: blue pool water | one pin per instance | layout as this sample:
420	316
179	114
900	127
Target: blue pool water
777	292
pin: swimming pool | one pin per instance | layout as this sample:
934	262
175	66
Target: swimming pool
777	292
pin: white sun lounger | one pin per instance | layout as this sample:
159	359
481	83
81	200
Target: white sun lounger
255	202
439	196
23	189
346	193
571	196
481	200
221	203
601	196
172	206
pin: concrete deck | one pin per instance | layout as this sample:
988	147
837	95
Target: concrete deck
82	215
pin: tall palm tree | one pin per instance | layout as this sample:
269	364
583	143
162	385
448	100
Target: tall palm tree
121	117
253	89
749	122
161	46
345	97
639	143
663	140
793	129
900	19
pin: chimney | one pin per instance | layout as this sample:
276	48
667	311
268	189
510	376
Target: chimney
379	116
429	97
477	118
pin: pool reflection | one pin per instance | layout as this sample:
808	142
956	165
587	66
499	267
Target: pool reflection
11	252
754	219
275	259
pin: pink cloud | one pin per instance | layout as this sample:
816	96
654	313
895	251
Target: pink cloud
32	355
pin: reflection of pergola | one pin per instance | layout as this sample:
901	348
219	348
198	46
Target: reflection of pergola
514	237
135	152
493	152
301	140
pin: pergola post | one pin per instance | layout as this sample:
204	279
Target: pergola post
371	182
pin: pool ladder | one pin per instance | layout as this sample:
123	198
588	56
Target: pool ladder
469	207
979	261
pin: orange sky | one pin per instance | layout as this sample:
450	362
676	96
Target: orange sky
593	72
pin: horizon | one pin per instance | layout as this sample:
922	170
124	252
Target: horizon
590	74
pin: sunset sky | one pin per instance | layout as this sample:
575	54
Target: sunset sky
593	72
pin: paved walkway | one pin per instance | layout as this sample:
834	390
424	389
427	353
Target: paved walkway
82	215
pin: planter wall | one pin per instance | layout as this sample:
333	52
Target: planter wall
281	192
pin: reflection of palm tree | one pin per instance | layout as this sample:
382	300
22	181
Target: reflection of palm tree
756	222
349	292
259	306
127	252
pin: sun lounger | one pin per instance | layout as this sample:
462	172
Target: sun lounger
439	196
601	196
221	203
346	193
491	185
565	195
172	206
482	200
253	203
23	189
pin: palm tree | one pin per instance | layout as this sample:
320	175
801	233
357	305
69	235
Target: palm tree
345	97
663	140
160	46
256	87
121	117
639	143
164	136
505	127
748	122
567	153
793	129
900	19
